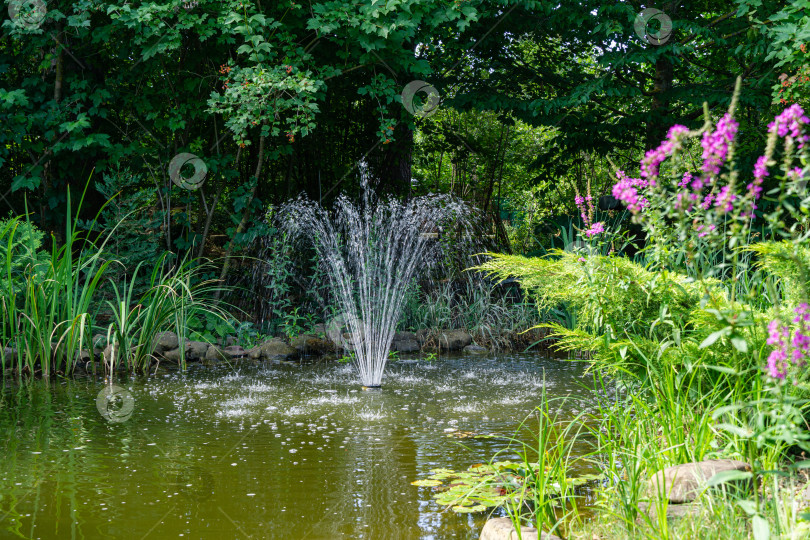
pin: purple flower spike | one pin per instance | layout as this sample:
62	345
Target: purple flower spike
653	158
715	145
626	190
790	123
596	228
789	346
725	200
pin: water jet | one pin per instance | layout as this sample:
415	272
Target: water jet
372	251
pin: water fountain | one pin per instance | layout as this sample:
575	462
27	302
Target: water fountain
372	251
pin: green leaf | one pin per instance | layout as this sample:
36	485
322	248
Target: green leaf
760	528
728	476
739	343
714	336
749	507
426	483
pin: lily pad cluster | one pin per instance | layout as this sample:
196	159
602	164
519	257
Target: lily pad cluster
485	486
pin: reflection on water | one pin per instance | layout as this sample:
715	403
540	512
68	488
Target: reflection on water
282	451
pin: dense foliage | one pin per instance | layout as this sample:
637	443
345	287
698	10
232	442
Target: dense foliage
280	98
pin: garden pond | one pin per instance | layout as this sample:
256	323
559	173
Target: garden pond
264	450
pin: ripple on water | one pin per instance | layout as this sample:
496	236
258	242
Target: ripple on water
240	401
466	408
369	415
259	387
407	379
233	413
515	399
334	399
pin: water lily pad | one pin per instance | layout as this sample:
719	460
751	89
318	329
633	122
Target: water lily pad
484	486
426	482
462	434
469	509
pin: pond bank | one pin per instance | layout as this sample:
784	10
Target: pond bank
166	348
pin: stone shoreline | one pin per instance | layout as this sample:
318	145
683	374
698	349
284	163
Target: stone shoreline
314	344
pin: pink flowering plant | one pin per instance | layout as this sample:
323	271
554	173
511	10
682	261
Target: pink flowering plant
791	344
693	212
711	323
687	210
600	232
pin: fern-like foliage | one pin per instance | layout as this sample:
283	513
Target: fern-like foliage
633	320
788	261
608	293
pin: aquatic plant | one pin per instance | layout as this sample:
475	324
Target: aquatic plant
175	295
50	307
45	311
493	315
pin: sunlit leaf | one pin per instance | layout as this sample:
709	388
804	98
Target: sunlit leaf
426	483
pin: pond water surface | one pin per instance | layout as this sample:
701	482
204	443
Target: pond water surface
290	451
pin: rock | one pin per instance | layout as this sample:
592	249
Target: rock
309	344
683	483
255	353
405	345
422	335
475	349
502	529
674	511
9	354
195	350
275	349
166	341
83	356
229	341
172	355
213	355
99	341
454	340
110	355
405	336
234	351
87	367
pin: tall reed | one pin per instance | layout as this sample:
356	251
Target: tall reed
45	315
174	296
